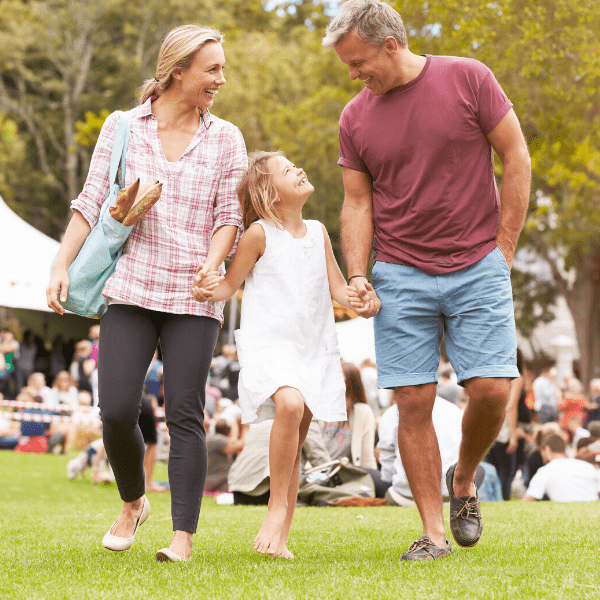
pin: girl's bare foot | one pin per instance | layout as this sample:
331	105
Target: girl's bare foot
267	539
283	552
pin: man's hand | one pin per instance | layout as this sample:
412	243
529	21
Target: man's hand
362	298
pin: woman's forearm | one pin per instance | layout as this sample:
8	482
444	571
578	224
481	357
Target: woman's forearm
220	246
74	238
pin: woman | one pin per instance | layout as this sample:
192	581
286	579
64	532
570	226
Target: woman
354	438
199	159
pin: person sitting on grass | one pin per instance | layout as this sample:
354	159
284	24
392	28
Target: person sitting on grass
37	382
562	479
82	428
355	437
220	448
64	391
9	432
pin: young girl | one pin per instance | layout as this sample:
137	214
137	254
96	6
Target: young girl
287	343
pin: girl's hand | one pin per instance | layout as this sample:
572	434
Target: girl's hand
364	308
201	294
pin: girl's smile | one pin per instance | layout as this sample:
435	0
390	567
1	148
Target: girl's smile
290	181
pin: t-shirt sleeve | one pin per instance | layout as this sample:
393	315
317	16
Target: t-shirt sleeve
349	157
537	485
492	103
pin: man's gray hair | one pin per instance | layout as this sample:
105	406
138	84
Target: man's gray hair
373	21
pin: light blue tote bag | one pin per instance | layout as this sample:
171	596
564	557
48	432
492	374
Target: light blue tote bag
98	256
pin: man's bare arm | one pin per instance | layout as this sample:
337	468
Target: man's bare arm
357	225
508	141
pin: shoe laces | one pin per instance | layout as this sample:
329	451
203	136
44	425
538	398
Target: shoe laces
422	543
469	508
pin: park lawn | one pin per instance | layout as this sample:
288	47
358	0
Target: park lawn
51	531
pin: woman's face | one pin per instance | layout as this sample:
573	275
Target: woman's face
200	83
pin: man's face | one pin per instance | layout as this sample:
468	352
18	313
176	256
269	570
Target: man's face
376	68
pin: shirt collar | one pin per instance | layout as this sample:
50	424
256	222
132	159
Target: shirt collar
145	110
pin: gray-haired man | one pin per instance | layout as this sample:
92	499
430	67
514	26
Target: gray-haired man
416	148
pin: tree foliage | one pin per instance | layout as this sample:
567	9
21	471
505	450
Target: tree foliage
66	64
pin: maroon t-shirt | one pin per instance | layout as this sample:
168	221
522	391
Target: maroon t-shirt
424	145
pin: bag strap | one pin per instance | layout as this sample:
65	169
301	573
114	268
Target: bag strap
119	151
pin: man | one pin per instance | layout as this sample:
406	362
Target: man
563	479
447	420
416	148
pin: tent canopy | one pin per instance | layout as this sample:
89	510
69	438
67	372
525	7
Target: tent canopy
27	256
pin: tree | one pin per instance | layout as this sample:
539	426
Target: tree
61	58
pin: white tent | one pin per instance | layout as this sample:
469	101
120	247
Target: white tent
356	340
26	258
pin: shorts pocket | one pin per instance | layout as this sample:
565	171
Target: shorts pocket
502	258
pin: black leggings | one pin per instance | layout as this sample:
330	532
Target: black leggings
128	338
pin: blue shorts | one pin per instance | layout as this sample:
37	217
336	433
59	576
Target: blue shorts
471	307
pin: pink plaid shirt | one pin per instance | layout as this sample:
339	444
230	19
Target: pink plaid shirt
198	196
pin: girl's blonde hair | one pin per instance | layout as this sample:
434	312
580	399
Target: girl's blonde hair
256	191
177	52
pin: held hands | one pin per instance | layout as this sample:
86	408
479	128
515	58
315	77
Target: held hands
204	283
362	298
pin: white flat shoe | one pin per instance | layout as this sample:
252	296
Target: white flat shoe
118	544
166	555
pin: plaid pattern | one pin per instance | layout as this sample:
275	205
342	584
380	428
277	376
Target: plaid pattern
198	196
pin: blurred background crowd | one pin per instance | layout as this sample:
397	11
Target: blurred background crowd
548	448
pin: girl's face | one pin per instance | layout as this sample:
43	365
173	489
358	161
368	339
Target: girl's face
290	181
200	83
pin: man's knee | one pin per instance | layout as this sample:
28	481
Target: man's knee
415	404
491	392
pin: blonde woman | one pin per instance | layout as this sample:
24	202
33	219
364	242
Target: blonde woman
199	159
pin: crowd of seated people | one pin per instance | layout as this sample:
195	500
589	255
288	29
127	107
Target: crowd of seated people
62	408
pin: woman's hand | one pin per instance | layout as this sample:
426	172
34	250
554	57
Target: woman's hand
204	282
59	283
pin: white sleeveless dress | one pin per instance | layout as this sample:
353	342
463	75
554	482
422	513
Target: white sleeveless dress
287	334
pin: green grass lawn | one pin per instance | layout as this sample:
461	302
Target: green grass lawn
51	531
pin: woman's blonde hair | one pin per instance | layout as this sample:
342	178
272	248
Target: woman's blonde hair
177	52
256	192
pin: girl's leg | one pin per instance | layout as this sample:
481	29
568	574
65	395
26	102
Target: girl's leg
293	487
283	448
187	344
127	342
